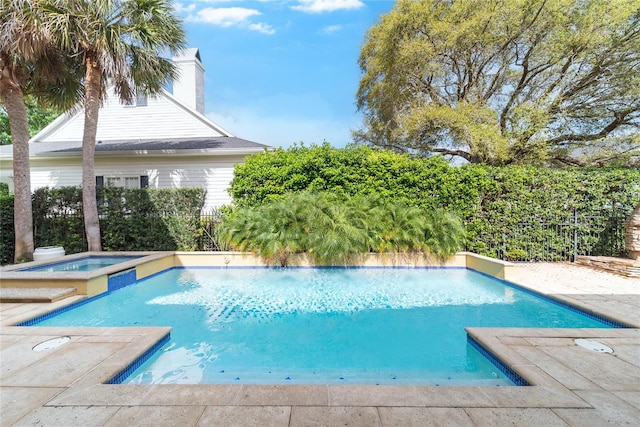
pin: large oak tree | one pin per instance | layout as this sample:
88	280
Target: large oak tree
505	81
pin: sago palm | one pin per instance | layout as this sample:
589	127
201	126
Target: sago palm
284	230
120	43
337	230
444	234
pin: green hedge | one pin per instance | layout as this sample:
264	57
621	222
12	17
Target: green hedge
7	235
130	219
495	203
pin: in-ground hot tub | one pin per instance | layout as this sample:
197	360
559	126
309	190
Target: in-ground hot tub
88	263
89	273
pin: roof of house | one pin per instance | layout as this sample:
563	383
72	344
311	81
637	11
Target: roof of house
218	145
167	124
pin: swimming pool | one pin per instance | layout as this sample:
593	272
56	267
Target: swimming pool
320	325
89	263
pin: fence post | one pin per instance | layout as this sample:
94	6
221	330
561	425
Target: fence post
575	235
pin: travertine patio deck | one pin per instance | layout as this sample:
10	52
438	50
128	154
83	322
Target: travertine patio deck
571	385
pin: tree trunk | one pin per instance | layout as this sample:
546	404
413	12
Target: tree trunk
632	234
13	100
93	84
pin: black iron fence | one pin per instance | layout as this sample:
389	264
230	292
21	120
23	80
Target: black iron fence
556	239
540	239
209	240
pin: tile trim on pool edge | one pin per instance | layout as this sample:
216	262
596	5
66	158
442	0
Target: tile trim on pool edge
138	361
515	377
42	317
608	321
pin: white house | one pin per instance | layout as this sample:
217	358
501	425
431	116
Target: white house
163	141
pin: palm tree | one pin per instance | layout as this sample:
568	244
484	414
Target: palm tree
120	43
29	63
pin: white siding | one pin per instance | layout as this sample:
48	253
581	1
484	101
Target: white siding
60	173
212	173
161	118
6	173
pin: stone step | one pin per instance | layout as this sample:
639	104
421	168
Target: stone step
35	294
622	266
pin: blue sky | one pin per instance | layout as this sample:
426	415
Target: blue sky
282	72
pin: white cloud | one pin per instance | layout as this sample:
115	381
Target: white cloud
183	8
225	16
262	28
319	6
229	17
330	29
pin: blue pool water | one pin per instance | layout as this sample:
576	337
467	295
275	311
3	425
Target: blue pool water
334	325
89	263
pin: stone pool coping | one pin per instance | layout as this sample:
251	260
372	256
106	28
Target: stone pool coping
570	385
97	281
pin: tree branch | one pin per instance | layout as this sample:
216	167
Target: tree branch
619	119
569	161
449	152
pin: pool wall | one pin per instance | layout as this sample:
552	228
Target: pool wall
150	263
85	282
490	266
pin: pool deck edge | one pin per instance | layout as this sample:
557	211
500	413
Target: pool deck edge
570	385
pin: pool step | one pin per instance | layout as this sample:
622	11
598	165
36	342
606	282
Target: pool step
35	294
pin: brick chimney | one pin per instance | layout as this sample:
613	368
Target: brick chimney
189	86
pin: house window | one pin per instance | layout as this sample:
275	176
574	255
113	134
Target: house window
113	181
141	181
141	101
138	101
131	182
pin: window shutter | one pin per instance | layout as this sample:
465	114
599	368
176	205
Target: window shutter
99	181
144	181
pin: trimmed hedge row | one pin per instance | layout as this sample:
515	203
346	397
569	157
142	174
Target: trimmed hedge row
492	201
7	235
130	219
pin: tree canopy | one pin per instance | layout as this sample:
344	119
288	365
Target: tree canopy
121	43
30	64
505	81
39	116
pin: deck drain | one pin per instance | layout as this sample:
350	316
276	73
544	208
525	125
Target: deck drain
593	346
51	344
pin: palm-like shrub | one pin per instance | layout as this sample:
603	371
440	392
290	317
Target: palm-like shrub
335	231
443	233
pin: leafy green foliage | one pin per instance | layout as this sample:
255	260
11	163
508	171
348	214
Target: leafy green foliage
335	230
7	236
500	82
38	117
132	219
492	202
